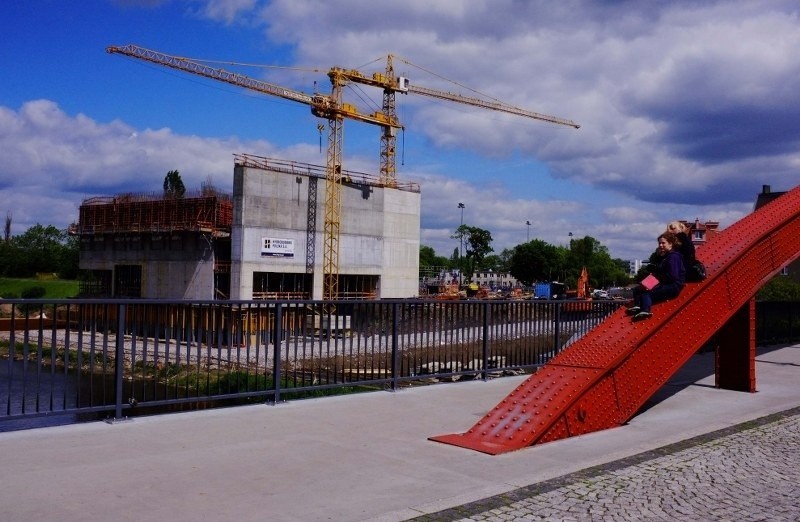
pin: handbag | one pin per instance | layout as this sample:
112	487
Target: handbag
696	272
650	282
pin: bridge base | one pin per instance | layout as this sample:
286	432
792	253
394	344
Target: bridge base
736	351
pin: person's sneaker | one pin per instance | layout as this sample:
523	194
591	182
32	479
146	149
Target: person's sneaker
633	310
641	316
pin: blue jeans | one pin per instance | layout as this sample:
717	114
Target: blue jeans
645	299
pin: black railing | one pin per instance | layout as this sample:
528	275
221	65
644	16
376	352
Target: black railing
777	322
91	359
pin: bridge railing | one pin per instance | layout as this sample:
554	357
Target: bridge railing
113	359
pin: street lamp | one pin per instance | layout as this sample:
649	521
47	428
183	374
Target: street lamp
461	244
529	230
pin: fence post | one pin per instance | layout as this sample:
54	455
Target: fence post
557	328
485	348
119	355
395	351
277	340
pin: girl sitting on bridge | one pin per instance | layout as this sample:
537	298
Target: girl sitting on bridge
670	273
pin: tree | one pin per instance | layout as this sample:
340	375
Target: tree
779	288
477	244
536	260
69	258
39	249
7	229
493	263
173	185
603	271
428	259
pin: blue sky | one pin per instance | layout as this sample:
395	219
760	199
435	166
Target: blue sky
686	108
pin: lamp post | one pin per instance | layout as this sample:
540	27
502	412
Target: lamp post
529	230
461	245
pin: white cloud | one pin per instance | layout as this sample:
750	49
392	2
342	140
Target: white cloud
686	109
53	161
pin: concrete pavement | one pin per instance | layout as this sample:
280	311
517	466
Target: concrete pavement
356	458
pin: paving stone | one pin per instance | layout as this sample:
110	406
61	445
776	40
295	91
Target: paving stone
748	472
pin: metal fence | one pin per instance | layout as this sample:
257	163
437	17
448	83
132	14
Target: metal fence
74	360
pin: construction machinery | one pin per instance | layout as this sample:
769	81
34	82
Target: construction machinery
332	108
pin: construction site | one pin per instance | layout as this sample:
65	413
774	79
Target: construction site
287	230
261	242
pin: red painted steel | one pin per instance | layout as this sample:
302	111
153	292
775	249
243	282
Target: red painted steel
602	380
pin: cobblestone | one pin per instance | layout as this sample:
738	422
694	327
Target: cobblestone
749	472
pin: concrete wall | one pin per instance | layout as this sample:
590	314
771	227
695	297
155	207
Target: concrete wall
400	274
379	231
179	266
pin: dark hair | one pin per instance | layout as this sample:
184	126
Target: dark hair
671	238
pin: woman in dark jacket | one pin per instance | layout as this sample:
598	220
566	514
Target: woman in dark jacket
687	247
671	275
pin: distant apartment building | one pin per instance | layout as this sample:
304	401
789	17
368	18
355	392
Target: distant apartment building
634	265
701	233
496	280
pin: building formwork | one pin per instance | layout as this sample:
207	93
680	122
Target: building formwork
156	246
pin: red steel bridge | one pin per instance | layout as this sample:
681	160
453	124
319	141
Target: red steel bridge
602	380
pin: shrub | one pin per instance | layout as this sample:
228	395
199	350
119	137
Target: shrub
33	292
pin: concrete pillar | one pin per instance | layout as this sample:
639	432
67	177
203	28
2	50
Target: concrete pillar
736	351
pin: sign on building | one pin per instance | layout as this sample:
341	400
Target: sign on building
274	247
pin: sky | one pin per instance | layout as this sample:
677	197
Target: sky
686	108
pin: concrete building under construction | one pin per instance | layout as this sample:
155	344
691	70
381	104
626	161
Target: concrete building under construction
263	242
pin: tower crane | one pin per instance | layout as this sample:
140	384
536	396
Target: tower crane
391	84
332	108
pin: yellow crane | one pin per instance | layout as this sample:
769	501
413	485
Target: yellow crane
391	84
332	108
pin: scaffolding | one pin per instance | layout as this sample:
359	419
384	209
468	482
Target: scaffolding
206	212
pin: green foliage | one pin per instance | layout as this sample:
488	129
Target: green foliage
533	261
12	288
780	288
495	263
603	270
428	258
173	185
33	292
39	249
477	245
537	261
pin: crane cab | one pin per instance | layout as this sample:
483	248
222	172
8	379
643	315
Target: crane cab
402	84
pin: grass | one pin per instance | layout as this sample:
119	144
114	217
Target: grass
54	288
